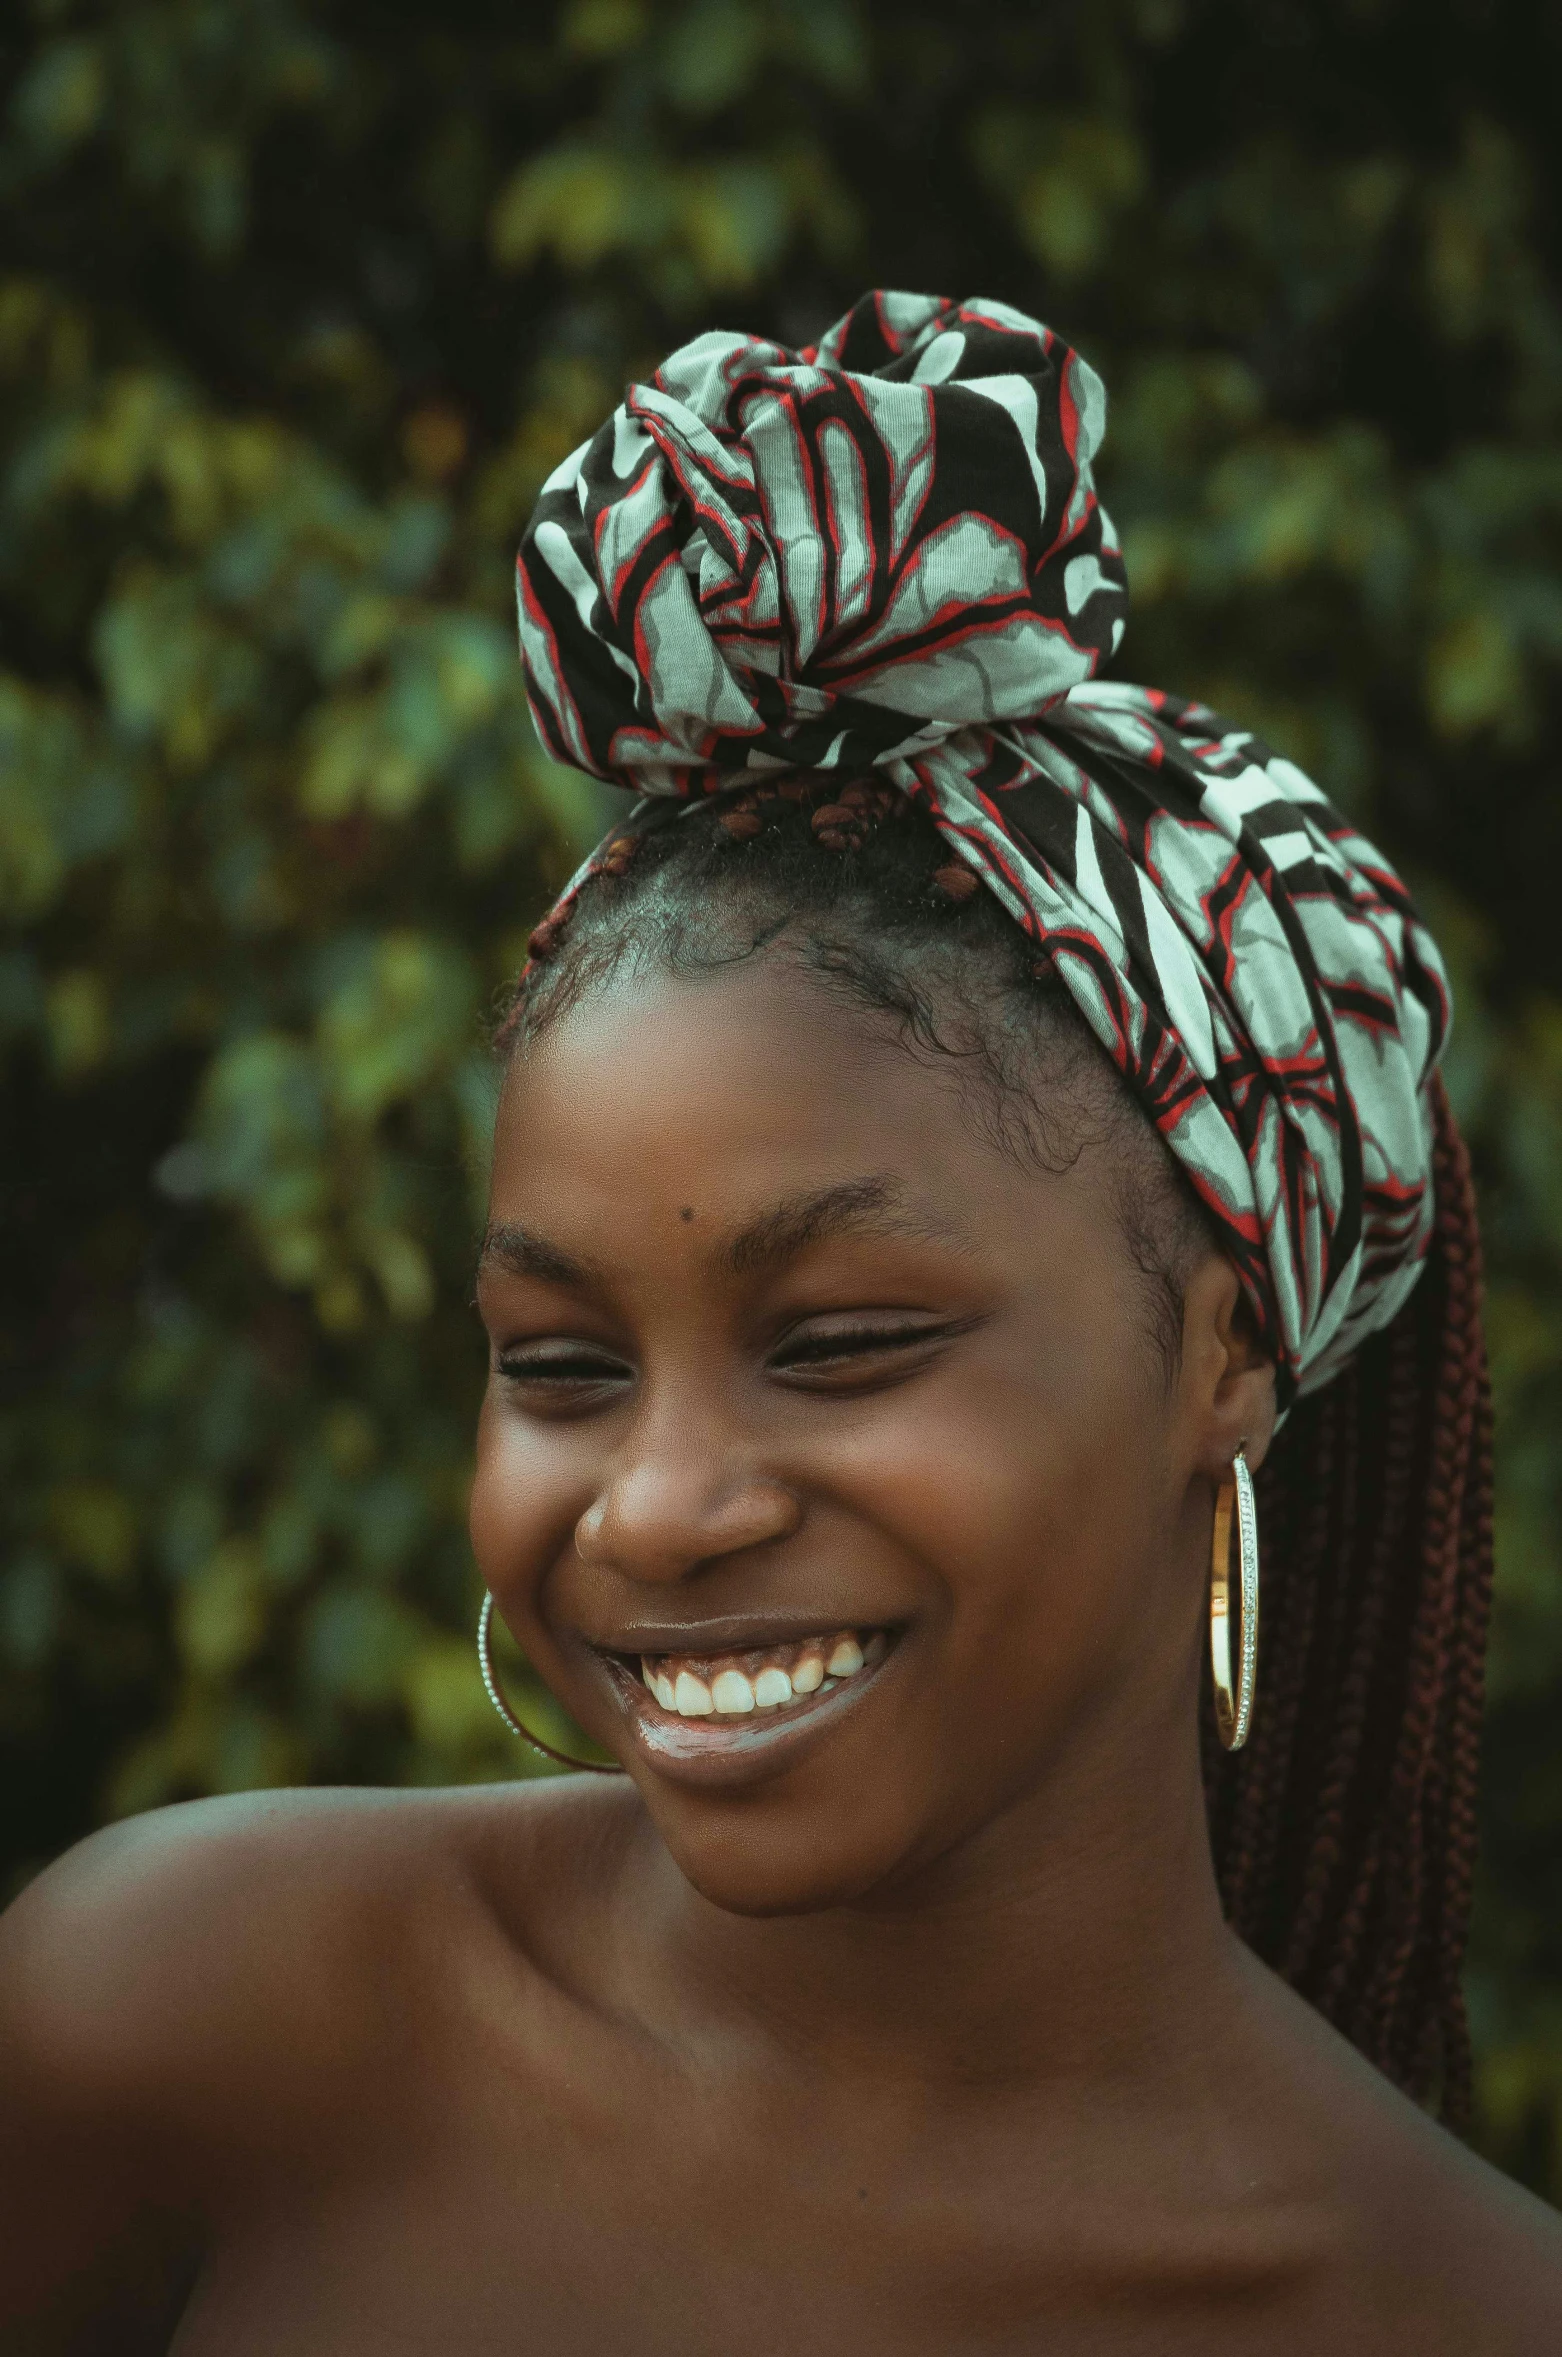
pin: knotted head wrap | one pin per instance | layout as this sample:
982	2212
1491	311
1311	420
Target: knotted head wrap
885	552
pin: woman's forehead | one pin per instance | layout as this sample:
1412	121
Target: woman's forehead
755	1064
757	1110
752	1047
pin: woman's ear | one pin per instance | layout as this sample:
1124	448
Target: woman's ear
1232	1394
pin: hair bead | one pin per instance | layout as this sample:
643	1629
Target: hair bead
615	860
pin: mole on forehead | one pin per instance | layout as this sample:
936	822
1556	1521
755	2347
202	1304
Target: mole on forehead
872	1205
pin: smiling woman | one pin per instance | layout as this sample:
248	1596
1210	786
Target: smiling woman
965	1118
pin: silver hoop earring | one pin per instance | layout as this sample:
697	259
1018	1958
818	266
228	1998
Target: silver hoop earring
1234	1712
485	1662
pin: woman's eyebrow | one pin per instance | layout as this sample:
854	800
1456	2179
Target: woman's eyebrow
521	1252
862	1206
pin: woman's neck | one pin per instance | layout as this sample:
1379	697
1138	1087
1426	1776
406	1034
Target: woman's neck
1076	1936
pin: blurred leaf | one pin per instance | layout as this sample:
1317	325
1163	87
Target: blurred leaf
359	1646
1066	178
603	28
711	52
59	99
94	1525
404	1007
579	203
78	1017
221	1614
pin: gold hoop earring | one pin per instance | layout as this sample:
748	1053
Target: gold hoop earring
485	1663
1234	1713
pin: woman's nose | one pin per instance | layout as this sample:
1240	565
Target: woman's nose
678	1502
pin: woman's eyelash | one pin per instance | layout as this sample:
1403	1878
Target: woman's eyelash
845	1341
559	1366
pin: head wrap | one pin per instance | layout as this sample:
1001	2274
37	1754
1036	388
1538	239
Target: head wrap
885	551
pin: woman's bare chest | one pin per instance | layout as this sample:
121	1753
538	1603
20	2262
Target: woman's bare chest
665	2235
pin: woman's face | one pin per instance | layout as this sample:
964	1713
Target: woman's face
792	1369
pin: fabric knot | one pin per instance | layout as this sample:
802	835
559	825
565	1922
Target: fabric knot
773	558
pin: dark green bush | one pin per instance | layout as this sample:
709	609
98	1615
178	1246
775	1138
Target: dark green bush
302	299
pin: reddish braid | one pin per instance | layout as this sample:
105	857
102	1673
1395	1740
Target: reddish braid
1375	1510
1344	1832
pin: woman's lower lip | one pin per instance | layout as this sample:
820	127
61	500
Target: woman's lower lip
738	1750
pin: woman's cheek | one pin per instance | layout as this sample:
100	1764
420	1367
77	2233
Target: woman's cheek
522	1492
1023	1501
978	1468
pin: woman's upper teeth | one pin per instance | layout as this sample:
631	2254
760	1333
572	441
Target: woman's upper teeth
718	1685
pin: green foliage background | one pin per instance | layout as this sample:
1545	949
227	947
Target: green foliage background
301	301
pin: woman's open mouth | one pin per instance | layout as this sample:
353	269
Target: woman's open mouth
730	1685
733	1711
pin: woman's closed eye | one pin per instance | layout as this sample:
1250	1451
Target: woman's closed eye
856	1351
563	1373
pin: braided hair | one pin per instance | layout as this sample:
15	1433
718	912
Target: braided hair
1344	1833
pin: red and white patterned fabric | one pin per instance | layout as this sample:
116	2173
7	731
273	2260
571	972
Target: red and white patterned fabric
885	552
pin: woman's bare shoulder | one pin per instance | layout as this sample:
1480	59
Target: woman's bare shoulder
1450	2254
1476	2253
167	1951
190	1995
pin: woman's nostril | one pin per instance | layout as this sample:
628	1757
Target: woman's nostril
663	1528
588	1531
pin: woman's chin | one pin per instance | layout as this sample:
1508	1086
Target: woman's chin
748	1869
